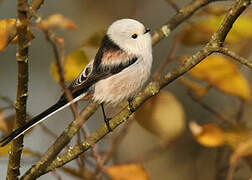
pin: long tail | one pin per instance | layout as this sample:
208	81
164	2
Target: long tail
37	119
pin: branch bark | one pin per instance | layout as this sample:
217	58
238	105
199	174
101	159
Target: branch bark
22	89
236	57
153	88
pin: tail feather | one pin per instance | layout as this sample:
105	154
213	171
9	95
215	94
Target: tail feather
34	121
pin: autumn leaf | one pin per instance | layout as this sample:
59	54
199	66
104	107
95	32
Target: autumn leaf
57	21
211	135
163	116
201	31
74	64
95	39
7	32
127	172
222	74
208	135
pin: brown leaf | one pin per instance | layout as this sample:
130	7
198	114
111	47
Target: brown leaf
127	172
57	21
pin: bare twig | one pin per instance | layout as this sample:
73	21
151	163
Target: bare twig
173	5
22	89
235	56
240	112
210	109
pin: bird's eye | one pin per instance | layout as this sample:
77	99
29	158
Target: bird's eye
134	36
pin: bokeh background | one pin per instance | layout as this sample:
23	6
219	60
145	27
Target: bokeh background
182	159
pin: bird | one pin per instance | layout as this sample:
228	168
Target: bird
119	70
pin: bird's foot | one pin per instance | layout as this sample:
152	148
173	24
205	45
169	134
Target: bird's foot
131	108
107	124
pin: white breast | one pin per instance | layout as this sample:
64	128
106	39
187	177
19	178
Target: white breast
125	84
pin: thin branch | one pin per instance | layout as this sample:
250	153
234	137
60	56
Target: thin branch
235	56
173	5
210	109
22	89
153	88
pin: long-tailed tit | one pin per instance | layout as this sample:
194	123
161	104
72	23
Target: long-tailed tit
119	70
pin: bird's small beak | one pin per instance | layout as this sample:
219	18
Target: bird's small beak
147	30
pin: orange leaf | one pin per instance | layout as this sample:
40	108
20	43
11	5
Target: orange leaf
7	32
201	31
208	134
220	72
127	172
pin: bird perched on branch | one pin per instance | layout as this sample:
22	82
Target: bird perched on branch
118	72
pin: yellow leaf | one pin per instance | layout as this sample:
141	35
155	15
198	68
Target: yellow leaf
95	39
74	64
127	172
207	135
163	116
7	32
57	21
201	31
220	72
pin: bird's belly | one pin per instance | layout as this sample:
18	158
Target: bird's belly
120	87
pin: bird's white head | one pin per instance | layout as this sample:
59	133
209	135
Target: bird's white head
131	36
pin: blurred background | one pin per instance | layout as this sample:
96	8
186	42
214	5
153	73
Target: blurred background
169	153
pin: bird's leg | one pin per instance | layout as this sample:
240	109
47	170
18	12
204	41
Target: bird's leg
131	105
106	120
